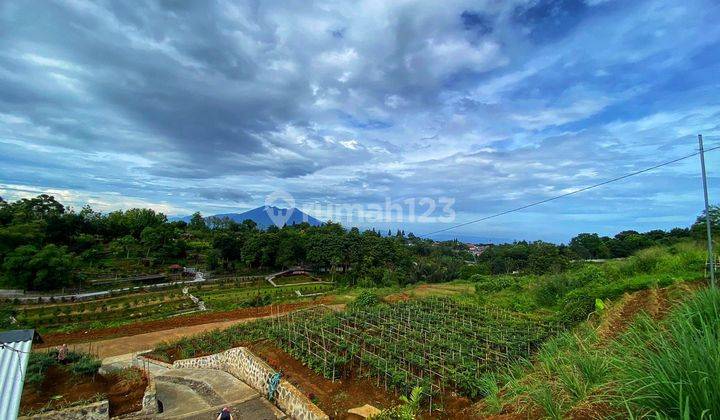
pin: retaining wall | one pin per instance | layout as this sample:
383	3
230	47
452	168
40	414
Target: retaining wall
244	365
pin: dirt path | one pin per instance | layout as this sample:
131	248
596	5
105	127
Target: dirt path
197	319
139	342
654	302
145	341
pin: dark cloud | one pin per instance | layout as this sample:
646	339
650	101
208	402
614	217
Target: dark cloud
225	195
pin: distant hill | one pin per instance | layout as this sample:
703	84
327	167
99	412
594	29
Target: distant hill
266	216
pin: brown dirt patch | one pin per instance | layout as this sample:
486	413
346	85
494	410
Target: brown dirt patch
592	411
55	339
654	302
336	398
628	308
60	388
397	297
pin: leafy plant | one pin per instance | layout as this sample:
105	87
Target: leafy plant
365	299
408	410
85	365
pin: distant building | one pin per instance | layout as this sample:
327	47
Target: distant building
477	249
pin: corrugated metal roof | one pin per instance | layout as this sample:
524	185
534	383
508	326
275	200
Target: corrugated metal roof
14	355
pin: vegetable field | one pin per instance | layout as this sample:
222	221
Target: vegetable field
437	343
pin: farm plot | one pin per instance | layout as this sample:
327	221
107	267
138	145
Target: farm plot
437	343
228	299
78	315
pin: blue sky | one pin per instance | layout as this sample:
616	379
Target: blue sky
211	106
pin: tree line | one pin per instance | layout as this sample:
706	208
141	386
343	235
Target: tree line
542	257
45	245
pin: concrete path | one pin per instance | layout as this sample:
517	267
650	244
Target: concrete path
202	393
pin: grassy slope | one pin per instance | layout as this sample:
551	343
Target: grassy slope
633	360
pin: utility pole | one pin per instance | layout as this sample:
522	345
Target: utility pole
708	225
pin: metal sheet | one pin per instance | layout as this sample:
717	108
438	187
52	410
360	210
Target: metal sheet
14	358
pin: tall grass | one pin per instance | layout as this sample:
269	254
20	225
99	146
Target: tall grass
575	291
672	370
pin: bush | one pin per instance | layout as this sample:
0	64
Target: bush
492	283
37	365
553	288
365	299
86	365
260	300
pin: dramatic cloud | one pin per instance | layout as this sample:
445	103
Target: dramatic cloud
212	106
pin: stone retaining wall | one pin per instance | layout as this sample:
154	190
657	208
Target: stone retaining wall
95	411
149	401
244	365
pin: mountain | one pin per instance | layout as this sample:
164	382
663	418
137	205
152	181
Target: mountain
266	216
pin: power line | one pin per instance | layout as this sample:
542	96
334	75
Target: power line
537	203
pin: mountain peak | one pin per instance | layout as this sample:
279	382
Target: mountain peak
266	216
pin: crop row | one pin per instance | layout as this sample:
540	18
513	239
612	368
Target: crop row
437	343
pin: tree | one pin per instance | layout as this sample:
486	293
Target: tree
589	246
53	267
545	258
18	267
197	222
47	269
124	246
699	228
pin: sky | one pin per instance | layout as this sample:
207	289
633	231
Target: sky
473	107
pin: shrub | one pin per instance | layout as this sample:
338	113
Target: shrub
85	365
37	365
365	299
260	300
408	410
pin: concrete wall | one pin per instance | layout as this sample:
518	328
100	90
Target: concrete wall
244	365
95	411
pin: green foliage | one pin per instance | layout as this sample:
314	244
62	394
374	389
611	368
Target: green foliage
75	362
45	269
85	365
485	283
576	291
365	299
213	341
490	392
408	410
673	370
547	399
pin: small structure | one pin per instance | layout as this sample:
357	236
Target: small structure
14	355
366	411
477	249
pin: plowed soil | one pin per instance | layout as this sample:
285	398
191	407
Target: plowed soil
60	388
55	339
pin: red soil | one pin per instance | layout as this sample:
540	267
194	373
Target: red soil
55	339
60	388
